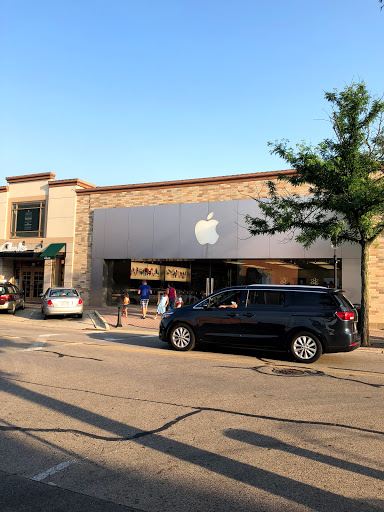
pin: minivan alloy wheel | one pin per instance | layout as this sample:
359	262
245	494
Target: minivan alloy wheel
182	338
306	348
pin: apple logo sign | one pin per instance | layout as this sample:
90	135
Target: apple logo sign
205	231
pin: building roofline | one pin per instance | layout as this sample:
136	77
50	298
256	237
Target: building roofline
236	178
4	189
74	181
31	177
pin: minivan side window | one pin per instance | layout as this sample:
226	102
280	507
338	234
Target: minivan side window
265	298
229	298
313	299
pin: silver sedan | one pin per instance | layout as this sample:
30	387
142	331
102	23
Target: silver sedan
61	301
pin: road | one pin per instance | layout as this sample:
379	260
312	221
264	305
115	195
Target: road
110	421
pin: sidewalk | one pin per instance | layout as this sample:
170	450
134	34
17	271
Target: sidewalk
135	324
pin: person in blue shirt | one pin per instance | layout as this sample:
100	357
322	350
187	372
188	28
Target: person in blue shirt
144	291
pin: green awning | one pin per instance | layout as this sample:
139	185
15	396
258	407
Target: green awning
51	251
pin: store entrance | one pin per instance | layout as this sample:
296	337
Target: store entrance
31	281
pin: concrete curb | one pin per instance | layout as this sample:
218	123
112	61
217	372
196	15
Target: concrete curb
98	321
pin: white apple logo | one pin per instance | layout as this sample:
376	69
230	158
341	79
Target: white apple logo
205	231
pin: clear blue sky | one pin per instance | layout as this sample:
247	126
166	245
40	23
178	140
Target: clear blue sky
122	91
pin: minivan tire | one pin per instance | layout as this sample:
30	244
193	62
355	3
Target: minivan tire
305	347
182	338
12	310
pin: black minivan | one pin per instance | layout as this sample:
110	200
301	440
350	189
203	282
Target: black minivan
304	320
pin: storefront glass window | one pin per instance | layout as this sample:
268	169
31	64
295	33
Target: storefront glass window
192	278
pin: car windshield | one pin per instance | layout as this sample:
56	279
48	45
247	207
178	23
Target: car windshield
63	292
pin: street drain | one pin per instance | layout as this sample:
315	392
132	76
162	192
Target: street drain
287	372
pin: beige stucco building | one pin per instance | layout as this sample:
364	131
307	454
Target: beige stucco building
37	231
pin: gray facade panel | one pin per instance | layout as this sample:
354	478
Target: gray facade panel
140	240
250	246
116	233
225	212
190	215
166	237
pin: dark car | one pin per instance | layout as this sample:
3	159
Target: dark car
11	297
304	320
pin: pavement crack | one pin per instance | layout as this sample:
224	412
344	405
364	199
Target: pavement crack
138	435
197	409
59	354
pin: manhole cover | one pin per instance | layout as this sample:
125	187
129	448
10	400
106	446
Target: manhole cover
287	372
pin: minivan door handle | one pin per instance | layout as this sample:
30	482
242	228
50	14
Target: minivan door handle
231	314
248	314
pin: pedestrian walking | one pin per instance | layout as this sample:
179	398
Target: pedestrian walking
162	304
171	292
126	303
179	301
144	291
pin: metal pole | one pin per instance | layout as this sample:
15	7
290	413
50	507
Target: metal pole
119	324
335	266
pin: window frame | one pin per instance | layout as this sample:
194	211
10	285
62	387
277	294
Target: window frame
22	205
252	305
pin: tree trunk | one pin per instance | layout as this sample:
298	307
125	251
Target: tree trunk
365	342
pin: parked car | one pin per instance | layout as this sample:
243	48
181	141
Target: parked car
304	320
11	297
61	301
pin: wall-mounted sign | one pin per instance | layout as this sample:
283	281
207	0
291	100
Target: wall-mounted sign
28	219
146	271
176	274
9	247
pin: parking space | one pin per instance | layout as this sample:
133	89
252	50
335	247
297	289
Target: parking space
32	313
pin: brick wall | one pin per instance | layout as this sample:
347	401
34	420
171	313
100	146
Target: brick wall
376	284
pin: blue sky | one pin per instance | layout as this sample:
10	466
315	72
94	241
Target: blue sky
126	91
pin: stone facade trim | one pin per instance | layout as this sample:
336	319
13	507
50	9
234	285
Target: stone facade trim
238	178
4	189
31	177
75	182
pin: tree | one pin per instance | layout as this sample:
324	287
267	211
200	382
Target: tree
345	176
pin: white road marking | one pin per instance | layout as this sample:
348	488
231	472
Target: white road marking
35	346
44	335
147	336
31	315
113	339
52	471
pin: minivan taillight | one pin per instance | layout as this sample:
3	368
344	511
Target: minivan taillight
80	302
345	315
5	297
49	302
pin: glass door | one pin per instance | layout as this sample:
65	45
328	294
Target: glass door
32	281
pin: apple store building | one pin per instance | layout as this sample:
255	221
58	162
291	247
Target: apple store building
202	247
